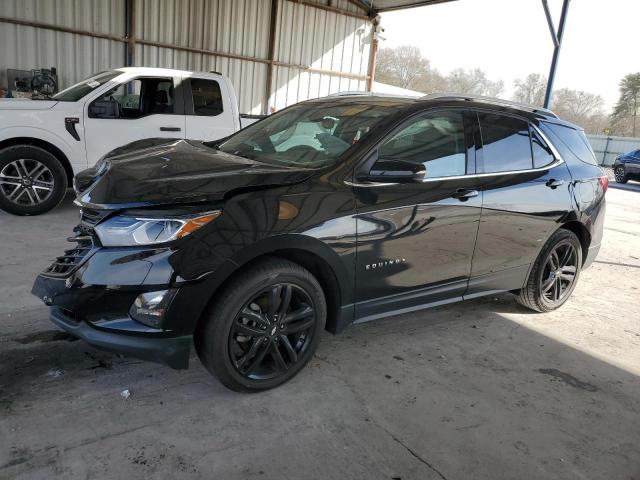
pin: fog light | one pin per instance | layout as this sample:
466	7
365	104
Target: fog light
149	308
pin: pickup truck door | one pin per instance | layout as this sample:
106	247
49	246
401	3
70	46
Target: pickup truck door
138	108
211	108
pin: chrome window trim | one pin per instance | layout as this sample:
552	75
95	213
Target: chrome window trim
558	161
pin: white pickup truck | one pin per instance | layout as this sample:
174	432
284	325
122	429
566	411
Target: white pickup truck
43	143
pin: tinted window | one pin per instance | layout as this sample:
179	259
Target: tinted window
207	98
435	140
505	143
571	140
542	155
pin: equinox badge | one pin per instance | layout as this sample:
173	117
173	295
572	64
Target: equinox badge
384	263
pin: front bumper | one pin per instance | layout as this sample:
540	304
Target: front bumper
92	302
172	351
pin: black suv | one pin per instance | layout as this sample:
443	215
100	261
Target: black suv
330	212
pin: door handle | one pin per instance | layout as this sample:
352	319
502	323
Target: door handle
169	129
463	194
553	183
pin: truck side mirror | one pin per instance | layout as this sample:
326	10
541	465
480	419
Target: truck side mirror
104	109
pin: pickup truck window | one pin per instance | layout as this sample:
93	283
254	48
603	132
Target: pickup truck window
83	88
310	135
135	99
207	97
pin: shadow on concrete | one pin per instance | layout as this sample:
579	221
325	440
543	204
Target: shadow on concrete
455	392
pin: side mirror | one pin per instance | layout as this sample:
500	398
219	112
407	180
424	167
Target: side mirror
396	171
104	109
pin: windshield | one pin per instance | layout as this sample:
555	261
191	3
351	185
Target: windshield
309	135
79	90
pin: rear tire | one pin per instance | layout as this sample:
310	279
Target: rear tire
32	180
264	327
554	274
620	174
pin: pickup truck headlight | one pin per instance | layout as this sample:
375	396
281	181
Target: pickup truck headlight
129	230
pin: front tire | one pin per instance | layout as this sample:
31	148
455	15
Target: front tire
554	274
32	180
620	174
264	326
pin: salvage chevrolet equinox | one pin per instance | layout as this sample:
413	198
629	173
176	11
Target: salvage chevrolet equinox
333	211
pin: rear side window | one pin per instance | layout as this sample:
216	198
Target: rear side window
574	141
542	155
207	97
505	143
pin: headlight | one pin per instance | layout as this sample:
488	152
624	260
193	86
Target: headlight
128	230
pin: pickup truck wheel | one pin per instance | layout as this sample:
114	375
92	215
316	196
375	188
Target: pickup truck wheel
264	327
32	180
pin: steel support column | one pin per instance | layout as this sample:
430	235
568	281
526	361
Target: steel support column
373	56
556	37
130	32
273	23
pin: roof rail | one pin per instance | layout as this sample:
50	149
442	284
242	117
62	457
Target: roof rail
349	93
490	100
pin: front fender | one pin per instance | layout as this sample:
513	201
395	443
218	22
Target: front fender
74	152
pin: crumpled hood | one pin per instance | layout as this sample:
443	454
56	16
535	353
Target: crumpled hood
179	171
26	104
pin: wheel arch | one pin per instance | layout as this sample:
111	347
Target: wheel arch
582	233
48	146
310	253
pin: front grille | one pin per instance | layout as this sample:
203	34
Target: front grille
83	238
67	263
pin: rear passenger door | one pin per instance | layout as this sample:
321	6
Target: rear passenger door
210	112
526	192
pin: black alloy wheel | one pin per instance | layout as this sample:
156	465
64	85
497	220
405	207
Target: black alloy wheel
271	332
554	274
559	274
620	174
263	327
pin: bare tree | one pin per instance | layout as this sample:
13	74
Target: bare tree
625	113
473	82
531	90
576	105
402	66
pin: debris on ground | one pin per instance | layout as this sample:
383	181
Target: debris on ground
125	393
55	373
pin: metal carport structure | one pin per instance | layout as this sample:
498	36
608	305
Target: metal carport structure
276	52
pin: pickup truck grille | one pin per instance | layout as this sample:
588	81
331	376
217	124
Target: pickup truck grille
66	264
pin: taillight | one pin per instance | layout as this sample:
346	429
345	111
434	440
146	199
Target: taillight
604	183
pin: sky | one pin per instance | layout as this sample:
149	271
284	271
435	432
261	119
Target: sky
509	39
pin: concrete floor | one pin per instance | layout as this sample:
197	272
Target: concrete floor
479	390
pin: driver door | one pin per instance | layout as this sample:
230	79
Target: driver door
416	238
146	107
